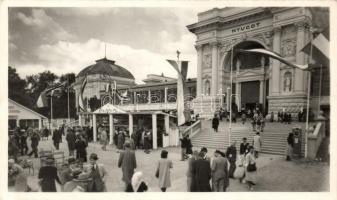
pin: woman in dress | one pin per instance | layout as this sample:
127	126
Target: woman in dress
250	176
164	166
48	175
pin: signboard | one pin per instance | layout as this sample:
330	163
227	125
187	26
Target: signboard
246	27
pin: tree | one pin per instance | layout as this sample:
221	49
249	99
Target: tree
39	82
69	78
16	88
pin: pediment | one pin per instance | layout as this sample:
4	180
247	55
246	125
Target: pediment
250	73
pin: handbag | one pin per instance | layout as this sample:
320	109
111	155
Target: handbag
251	167
157	173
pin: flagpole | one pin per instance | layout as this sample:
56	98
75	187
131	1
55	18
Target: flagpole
308	102
319	90
68	100
51	112
230	97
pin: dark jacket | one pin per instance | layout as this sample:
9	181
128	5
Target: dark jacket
215	122
71	139
183	142
290	140
48	174
35	139
231	154
243	148
57	136
201	176
81	152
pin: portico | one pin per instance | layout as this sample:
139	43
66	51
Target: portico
283	30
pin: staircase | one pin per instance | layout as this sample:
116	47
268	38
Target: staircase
274	137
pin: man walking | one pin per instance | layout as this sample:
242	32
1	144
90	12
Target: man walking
183	145
71	139
35	138
231	156
57	138
98	175
215	123
219	168
127	161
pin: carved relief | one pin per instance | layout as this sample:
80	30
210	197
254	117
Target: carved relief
287	83
288	47
289	32
207	57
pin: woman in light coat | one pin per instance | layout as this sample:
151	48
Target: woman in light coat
250	176
164	166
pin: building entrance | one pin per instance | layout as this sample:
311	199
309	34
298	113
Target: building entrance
250	93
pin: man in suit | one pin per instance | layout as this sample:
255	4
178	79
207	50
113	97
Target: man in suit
219	168
127	161
201	172
98	174
71	139
215	123
231	156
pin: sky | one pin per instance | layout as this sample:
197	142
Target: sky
65	40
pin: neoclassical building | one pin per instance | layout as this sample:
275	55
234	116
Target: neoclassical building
256	79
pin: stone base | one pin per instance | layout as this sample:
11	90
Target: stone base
206	106
291	104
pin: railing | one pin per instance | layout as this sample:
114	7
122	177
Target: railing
73	123
315	139
193	129
148	106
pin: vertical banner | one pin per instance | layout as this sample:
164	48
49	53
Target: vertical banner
182	112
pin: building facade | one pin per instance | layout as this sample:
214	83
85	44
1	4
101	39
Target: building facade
255	79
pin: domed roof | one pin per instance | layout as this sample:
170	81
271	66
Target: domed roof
107	67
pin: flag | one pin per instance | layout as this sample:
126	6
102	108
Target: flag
320	47
272	54
182	111
42	101
80	97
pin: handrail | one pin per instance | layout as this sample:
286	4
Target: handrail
315	139
190	128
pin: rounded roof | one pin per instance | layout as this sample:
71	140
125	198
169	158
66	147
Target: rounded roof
107	67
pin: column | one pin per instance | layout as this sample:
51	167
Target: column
199	70
166	139
79	119
134	97
165	95
275	83
300	42
40	123
238	95
94	127
130	124
149	101
154	131
261	92
214	84
112	128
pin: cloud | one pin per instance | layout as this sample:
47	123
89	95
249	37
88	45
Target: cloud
64	57
44	24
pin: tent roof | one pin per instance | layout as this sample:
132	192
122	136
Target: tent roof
109	109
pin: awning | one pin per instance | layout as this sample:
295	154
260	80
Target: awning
109	109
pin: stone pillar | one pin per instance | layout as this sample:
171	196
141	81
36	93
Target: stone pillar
94	127
300	58
79	119
261	91
130	124
238	95
111	128
214	84
154	131
275	83
199	70
134	97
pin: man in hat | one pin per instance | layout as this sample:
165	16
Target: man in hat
231	156
98	174
183	145
219	168
35	138
127	161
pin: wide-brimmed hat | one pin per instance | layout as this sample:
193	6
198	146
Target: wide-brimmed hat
93	156
49	160
82	177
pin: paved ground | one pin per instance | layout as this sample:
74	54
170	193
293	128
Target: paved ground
275	174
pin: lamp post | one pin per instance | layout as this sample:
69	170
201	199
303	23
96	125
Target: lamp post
230	95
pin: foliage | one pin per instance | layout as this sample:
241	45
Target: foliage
16	88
